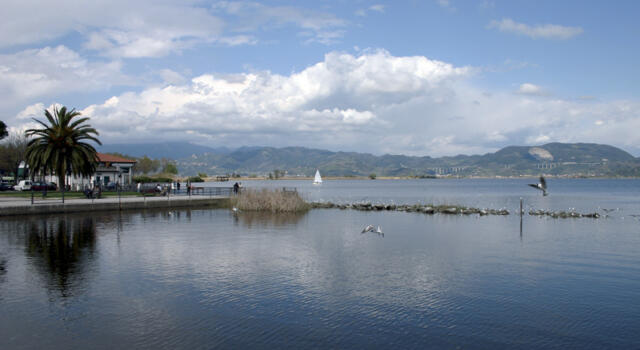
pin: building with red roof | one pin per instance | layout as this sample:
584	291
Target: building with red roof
111	170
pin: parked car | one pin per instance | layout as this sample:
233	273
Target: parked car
23	185
111	186
40	186
5	186
51	186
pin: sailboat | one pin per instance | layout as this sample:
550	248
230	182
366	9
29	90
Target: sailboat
317	180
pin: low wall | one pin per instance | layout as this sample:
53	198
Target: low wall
98	205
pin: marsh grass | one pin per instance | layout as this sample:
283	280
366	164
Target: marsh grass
275	201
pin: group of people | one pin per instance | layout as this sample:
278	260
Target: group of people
93	191
175	187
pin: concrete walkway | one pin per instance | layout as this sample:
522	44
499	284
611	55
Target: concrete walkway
10	206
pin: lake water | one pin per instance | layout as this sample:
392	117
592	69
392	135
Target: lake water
189	279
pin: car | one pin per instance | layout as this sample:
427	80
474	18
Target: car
39	186
23	185
111	186
51	186
5	186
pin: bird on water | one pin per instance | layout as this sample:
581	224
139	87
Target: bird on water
542	185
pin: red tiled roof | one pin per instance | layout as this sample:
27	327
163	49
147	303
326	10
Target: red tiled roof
108	158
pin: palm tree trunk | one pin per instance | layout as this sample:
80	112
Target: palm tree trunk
61	177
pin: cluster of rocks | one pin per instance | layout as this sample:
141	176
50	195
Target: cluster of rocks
563	214
417	208
447	209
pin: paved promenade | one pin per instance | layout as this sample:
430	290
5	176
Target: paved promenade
10	206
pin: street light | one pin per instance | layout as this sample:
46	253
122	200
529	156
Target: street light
118	184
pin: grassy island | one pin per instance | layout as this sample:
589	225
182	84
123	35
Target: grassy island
276	201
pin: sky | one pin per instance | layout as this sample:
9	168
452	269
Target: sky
431	77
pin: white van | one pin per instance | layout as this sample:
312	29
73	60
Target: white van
23	185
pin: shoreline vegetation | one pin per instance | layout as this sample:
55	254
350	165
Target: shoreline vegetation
275	201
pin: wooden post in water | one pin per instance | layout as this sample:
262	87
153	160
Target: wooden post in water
521	212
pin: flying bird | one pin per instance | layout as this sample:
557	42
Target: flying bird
542	186
369	228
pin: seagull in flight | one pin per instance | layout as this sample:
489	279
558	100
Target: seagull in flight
369	228
541	186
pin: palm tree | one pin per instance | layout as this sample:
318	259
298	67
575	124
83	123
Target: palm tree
59	146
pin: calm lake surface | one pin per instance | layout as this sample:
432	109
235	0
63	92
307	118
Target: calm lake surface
200	279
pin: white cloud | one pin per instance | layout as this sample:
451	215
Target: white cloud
446	4
543	31
146	28
53	71
373	8
33	111
329	101
247	16
531	89
377	7
171	77
373	102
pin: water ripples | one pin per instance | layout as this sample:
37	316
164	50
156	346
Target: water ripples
208	279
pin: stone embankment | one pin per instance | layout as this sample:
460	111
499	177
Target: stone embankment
447	210
22	207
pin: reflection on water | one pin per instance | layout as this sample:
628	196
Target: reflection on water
211	279
61	250
264	219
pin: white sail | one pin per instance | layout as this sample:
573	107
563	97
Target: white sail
317	180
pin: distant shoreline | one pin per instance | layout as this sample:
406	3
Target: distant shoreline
366	178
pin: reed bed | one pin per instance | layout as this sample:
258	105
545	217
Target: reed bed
275	201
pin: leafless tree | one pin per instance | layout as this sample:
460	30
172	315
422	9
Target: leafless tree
12	152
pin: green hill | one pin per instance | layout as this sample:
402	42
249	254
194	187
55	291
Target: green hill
578	159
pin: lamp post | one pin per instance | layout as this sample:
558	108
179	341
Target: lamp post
118	184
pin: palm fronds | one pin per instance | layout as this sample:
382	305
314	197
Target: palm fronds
61	145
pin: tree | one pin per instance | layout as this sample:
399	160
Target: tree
145	165
3	130
12	152
59	147
170	168
372	176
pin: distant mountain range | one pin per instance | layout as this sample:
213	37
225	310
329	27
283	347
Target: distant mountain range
576	159
170	150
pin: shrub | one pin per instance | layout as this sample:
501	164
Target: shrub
195	179
270	200
149	179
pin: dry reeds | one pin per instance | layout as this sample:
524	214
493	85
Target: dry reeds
275	201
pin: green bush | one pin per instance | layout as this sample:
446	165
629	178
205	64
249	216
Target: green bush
195	179
276	201
150	179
